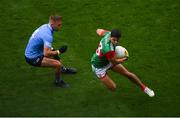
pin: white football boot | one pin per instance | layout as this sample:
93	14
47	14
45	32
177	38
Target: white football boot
149	92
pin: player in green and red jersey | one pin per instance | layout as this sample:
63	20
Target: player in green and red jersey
105	59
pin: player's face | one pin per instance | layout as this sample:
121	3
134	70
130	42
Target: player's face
114	40
57	25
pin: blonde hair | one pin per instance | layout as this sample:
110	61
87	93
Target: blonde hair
55	17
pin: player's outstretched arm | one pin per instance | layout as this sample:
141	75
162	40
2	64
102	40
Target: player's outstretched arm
101	32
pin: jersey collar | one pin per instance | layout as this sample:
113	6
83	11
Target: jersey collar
50	28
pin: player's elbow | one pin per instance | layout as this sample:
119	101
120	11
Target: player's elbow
47	54
113	61
100	32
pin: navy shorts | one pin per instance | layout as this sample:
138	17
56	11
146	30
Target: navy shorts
35	61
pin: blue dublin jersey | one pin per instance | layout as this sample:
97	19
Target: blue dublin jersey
41	37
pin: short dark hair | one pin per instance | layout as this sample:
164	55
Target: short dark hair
115	33
55	17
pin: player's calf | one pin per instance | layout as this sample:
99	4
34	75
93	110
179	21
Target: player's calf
108	83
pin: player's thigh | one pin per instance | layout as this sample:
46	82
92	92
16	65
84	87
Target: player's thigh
106	80
120	69
101	72
48	62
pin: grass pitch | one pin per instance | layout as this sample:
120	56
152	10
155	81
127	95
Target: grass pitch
151	31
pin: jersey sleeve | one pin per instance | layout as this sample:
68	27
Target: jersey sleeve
110	54
47	39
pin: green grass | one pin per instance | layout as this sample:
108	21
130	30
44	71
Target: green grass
151	31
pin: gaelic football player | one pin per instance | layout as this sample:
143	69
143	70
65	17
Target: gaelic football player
104	59
39	51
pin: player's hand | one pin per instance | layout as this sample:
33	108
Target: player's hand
126	58
63	49
121	60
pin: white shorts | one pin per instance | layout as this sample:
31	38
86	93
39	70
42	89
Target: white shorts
101	72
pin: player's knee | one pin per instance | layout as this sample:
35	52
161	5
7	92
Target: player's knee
58	65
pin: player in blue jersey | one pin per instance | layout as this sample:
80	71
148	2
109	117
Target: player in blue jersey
39	52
